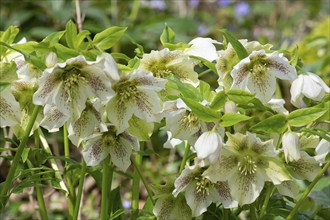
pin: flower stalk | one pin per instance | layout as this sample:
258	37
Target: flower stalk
106	184
11	174
80	189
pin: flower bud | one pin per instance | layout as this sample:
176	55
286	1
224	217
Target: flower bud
291	146
230	107
51	59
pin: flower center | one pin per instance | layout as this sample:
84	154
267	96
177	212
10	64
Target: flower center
190	120
247	165
163	73
71	78
110	139
126	90
202	185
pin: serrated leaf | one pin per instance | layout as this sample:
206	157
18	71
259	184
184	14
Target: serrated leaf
240	96
230	119
273	124
203	112
219	100
107	38
238	47
71	34
302	117
167	36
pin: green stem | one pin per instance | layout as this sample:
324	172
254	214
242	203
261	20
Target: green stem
134	12
269	192
80	189
307	191
203	73
106	180
185	155
136	184
146	185
253	214
226	213
11	174
71	196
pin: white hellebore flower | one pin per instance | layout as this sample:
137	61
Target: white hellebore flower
200	192
246	163
166	63
309	85
257	73
136	94
100	145
68	85
291	146
204	48
322	150
10	113
208	147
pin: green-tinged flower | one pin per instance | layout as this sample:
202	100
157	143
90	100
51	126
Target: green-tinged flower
68	85
10	113
100	145
322	150
246	163
200	192
288	188
167	206
183	124
166	63
257	73
135	94
291	146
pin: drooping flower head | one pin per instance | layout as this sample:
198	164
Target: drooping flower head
10	113
135	93
257	73
166	63
246	163
309	85
100	145
68	85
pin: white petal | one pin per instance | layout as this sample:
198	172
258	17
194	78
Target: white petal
288	188
94	151
322	150
119	113
312	89
263	87
304	168
110	67
221	194
197	201
171	142
208	146
240	73
319	81
280	67
120	154
145	80
203	47
296	91
291	146
53	118
274	171
10	113
184	179
246	188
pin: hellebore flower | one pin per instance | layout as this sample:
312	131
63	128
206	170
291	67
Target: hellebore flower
100	145
322	150
68	85
208	147
10	113
135	94
309	85
257	73
204	48
291	146
246	163
166	63
200	192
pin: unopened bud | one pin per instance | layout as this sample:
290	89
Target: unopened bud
230	107
51	59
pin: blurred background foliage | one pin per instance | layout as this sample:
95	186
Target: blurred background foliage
285	24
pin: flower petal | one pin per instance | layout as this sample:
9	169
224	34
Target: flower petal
296	91
10	113
291	146
120	154
145	80
95	151
221	194
274	170
203	47
184	179
208	146
322	150
288	188
304	168
263	85
280	67
53	118
198	201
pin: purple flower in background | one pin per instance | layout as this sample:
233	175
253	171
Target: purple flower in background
193	3
223	3
158	4
242	9
202	30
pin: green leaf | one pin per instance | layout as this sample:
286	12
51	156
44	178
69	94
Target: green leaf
240	96
203	112
71	34
187	90
273	124
120	56
53	38
207	63
139	50
317	131
238	47
302	117
107	38
167	36
81	37
8	72
134	63
230	119
219	100
8	36
65	53
25	154
204	90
